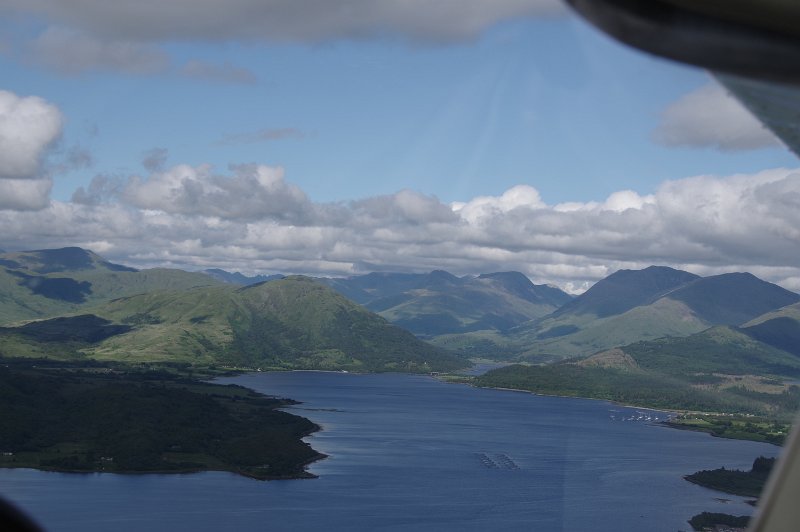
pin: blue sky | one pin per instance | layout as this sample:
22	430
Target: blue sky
362	108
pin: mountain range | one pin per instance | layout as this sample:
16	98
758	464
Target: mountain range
89	307
634	305
664	338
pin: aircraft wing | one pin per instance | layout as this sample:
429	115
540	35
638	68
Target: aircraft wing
751	46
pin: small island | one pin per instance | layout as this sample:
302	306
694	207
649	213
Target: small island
120	419
713	521
736	482
744	483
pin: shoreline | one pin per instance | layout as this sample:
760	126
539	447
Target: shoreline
668	423
672	413
304	474
609	401
69	451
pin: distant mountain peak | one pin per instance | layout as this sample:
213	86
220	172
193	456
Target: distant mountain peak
511	276
733	298
626	289
65	259
442	275
239	278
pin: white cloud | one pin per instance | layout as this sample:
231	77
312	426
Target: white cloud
252	192
250	219
742	219
487	207
627	199
709	117
96	35
281	20
29	126
71	52
406	208
25	194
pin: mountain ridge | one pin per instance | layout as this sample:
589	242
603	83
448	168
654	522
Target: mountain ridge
500	314
291	323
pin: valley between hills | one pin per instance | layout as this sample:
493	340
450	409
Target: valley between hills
77	329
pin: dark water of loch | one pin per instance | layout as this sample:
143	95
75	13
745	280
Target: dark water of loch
412	453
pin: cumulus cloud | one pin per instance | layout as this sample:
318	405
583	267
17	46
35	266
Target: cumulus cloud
251	219
486	208
709	117
71	52
29	126
252	192
25	194
406	208
281	20
224	73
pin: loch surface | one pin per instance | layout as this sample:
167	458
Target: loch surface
409	452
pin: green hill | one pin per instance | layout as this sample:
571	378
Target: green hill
626	386
46	283
322	327
70	259
779	328
569	335
721	349
721	369
288	323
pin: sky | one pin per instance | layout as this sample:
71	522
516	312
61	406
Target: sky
340	137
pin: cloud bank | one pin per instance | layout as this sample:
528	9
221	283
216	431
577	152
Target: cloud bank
71	52
82	36
251	219
280	20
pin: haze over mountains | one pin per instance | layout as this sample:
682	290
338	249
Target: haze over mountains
439	303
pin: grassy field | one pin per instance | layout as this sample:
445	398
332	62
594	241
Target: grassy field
735	427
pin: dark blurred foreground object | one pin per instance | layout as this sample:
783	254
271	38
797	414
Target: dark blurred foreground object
752	38
753	48
13	520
